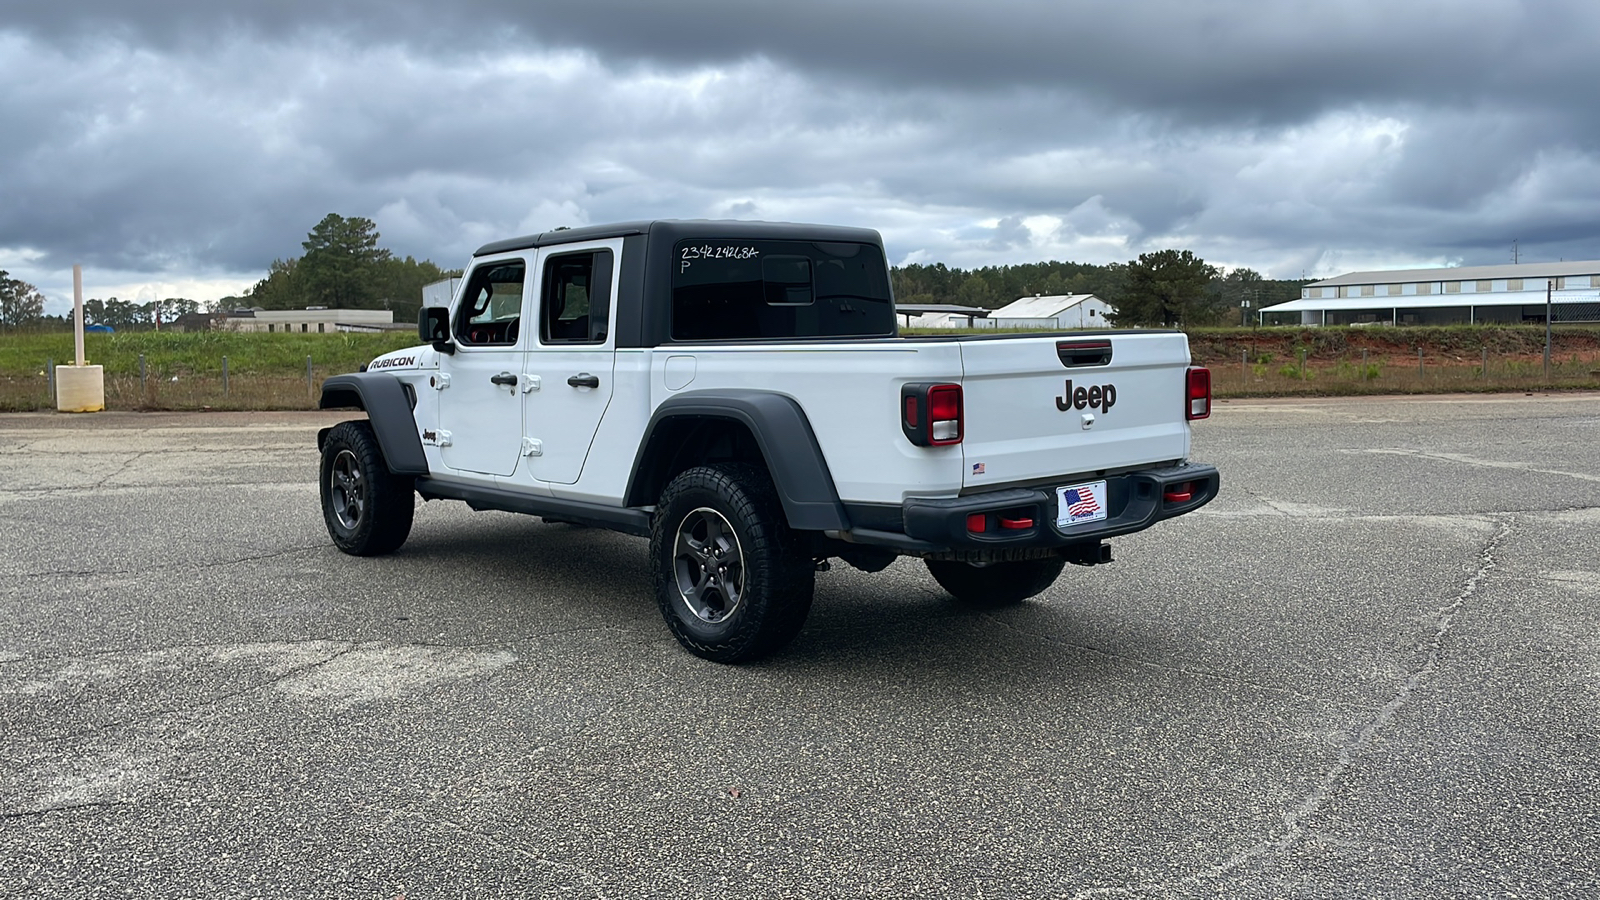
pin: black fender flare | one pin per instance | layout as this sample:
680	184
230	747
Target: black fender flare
388	408
782	433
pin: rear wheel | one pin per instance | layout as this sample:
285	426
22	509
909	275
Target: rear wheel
732	580
997	584
368	511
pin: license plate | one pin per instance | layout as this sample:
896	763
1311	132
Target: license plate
1080	503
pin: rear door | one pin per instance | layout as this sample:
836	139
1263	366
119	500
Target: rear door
1036	408
571	361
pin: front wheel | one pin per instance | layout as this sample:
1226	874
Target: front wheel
367	509
997	584
732	580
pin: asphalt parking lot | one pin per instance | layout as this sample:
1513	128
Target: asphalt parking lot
1371	668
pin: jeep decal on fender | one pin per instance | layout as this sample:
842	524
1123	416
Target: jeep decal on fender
393	362
1100	396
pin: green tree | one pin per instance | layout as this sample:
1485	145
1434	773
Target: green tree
167	311
399	284
341	266
21	304
975	291
344	268
1167	288
280	289
1242	290
120	314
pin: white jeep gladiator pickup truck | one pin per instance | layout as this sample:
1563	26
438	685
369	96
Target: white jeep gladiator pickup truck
739	393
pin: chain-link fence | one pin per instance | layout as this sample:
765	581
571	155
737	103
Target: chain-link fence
167	386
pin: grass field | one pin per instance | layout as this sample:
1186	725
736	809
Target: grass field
185	371
269	371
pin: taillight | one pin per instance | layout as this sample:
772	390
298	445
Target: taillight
931	414
1197	393
944	414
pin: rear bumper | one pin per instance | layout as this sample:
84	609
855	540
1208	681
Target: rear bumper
1134	502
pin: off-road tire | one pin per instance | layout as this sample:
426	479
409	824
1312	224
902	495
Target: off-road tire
368	511
728	517
1000	584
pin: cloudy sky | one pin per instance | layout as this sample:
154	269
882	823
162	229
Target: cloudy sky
176	148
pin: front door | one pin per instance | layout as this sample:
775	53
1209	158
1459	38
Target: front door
572	359
480	412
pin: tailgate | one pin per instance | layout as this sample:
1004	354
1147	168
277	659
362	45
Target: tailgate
1040	407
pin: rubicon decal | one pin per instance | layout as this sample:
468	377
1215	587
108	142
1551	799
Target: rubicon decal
393	362
1099	396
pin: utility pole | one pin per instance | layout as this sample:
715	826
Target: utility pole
1514	259
1549	286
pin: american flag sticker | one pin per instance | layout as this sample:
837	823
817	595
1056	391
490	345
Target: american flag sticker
977	468
1081	503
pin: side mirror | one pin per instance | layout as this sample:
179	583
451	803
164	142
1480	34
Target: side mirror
433	327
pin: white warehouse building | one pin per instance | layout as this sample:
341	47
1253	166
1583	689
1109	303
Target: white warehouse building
1460	295
314	320
1063	311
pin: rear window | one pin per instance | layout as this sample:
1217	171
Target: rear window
737	289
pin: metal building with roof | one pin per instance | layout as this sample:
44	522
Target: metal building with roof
1449	296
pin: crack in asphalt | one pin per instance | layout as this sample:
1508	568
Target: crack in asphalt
287	551
1466	460
127	464
64	807
97	490
198	567
502	840
1294	820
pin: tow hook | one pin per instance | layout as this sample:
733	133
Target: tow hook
1087	554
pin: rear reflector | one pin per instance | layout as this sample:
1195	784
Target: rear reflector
977	523
1197	393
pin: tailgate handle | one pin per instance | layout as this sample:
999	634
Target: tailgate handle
1084	353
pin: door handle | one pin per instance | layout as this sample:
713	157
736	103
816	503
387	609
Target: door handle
505	378
584	380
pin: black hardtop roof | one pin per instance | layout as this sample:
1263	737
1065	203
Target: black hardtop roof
674	230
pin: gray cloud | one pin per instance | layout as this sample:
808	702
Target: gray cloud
1228	58
191	140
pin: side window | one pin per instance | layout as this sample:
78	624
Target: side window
491	306
577	298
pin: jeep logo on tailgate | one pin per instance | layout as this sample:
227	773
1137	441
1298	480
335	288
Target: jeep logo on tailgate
1100	396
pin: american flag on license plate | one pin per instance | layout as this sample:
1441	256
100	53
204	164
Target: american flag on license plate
1081	503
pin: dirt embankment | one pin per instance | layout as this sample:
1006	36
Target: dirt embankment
1391	345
